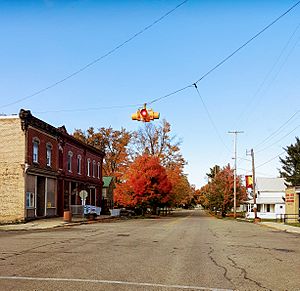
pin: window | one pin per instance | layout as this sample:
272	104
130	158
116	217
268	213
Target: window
88	167
29	200
104	192
49	154
79	164
268	207
94	168
35	156
70	155
98	170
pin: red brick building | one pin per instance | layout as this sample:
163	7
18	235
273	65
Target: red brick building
44	169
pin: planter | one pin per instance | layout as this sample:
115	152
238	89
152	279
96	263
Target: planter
67	216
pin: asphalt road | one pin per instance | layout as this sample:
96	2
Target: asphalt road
186	251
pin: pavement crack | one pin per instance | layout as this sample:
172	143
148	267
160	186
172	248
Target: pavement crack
218	265
245	274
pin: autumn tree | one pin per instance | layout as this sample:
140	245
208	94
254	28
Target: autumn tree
291	164
146	184
113	142
156	140
218	193
182	193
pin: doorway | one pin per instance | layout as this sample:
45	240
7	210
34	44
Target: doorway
40	196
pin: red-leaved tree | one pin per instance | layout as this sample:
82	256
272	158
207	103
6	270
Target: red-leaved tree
146	184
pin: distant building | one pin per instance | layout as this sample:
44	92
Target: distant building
108	192
270	198
43	169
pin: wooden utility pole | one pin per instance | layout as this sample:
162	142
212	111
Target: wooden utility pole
253	185
235	167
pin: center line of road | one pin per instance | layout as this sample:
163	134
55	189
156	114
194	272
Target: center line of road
111	282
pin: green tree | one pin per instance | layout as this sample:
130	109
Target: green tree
291	164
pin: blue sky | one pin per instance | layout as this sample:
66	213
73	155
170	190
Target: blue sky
256	91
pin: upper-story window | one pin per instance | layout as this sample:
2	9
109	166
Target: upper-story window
35	149
49	154
88	167
94	168
70	155
98	170
79	164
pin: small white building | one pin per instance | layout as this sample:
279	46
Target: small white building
270	199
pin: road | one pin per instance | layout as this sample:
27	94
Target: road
186	251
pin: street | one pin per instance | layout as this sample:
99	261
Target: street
188	250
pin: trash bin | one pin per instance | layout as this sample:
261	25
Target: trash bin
67	216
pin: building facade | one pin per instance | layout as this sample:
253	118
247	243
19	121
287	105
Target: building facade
292	204
43	169
270	199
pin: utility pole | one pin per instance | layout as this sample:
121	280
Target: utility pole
253	185
235	167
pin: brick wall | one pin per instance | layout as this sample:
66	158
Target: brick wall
12	153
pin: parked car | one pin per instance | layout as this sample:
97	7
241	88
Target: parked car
126	212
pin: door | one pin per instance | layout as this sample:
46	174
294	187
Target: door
40	196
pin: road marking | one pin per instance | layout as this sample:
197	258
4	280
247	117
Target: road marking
111	282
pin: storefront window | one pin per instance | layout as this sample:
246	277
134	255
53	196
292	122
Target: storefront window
29	200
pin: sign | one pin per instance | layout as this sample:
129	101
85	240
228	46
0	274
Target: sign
249	181
290	197
91	209
83	195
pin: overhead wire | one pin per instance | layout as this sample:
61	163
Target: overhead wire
277	131
251	100
278	140
97	59
269	160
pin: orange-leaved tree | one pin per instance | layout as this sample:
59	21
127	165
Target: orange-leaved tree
218	193
146	184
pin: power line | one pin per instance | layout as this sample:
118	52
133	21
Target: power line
229	56
270	160
210	118
187	86
259	90
98	59
279	139
277	131
90	109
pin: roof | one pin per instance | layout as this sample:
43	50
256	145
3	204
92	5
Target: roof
270	184
106	181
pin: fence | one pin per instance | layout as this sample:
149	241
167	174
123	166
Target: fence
288	218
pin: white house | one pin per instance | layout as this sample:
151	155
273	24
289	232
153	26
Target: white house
270	199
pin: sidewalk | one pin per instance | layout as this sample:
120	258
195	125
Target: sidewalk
50	223
281	226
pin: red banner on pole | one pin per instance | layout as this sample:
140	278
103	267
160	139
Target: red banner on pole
249	181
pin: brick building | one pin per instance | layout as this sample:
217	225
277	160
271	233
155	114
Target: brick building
43	169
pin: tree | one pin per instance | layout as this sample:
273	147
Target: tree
146	184
114	143
218	193
156	140
291	164
182	193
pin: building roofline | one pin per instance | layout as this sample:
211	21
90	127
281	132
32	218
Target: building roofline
28	119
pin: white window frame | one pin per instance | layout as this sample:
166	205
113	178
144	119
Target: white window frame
98	170
94	168
69	162
79	164
88	167
49	154
35	150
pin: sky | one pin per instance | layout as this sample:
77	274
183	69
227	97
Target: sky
256	91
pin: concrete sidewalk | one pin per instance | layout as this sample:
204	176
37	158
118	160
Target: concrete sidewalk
51	223
281	226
